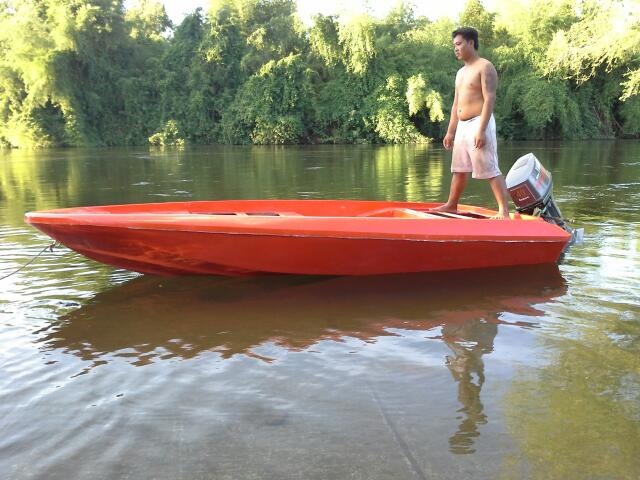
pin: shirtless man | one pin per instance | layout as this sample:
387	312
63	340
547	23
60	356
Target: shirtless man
472	128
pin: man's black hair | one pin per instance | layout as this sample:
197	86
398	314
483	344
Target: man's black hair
468	33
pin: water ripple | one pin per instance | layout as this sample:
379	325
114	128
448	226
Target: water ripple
111	374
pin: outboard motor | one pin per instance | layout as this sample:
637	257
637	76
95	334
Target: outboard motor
531	189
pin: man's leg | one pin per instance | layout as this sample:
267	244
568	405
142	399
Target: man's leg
499	188
458	184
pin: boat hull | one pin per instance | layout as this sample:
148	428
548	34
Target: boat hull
181	242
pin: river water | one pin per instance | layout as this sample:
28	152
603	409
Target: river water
513	373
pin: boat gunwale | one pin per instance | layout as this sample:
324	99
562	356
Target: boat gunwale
362	207
189	217
552	234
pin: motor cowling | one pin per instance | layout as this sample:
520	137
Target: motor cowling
531	188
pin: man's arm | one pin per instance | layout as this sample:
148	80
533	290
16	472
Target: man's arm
453	121
489	84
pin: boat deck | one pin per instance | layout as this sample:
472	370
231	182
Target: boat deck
292	208
384	213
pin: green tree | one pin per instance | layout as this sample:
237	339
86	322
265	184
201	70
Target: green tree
272	106
71	72
477	16
87	72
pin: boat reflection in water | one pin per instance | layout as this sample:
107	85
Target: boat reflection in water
152	319
185	316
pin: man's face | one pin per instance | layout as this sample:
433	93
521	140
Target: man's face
462	48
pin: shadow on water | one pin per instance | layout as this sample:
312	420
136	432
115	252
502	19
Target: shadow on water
152	319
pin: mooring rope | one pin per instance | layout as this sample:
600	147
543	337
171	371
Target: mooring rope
48	247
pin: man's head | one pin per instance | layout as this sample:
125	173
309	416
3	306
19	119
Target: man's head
463	38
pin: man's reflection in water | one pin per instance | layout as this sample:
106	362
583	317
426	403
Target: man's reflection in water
468	342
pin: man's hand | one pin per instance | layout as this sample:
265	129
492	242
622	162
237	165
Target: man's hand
479	140
447	141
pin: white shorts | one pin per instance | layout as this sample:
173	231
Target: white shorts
483	162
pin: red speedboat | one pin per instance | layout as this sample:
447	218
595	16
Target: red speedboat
317	237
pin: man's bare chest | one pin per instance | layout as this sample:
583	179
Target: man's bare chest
469	81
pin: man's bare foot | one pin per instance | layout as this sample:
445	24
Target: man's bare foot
446	208
500	216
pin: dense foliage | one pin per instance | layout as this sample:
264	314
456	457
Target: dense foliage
89	72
